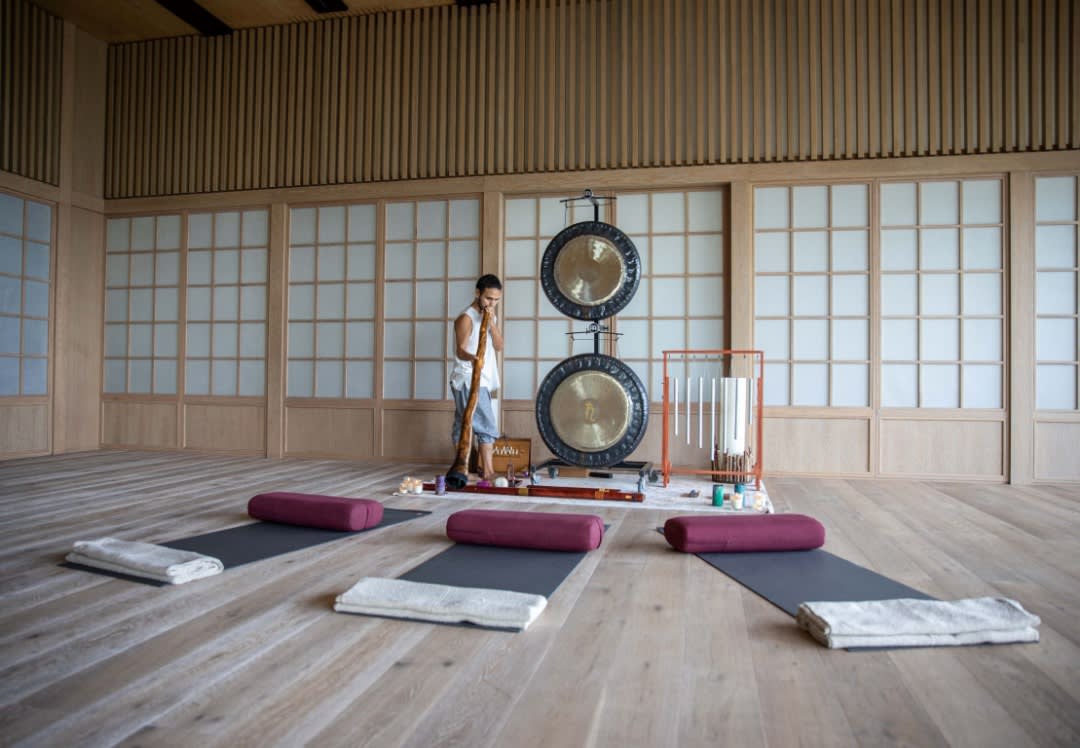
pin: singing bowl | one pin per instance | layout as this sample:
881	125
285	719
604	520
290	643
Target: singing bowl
590	270
592	410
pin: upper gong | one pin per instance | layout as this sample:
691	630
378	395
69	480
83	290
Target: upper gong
590	270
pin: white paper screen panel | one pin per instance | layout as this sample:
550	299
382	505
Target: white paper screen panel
680	302
331	304
535	333
142	304
25	284
226	303
812	293
1057	384
432	256
942	280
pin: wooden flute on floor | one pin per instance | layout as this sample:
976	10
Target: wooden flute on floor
552	492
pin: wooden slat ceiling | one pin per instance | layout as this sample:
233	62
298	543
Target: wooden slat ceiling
118	21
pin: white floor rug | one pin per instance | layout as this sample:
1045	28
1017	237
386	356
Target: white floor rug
677	494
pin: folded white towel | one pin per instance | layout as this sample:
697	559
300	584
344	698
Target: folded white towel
918	623
399	598
144	560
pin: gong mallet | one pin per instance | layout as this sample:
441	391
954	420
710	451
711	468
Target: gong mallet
458	474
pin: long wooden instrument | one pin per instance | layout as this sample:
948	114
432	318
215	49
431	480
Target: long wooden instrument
557	492
458	474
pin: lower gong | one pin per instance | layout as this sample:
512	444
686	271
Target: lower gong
590	270
592	410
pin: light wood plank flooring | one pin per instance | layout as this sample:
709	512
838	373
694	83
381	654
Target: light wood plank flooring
641	646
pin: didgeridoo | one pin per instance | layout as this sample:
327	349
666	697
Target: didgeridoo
458	474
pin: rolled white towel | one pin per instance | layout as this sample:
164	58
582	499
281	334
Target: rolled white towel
399	598
144	560
909	622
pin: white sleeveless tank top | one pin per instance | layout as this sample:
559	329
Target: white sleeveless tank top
461	373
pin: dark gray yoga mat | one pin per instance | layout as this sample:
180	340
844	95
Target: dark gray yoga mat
788	578
536	572
243	544
528	570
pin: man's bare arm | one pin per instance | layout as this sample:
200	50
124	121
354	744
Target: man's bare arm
462	331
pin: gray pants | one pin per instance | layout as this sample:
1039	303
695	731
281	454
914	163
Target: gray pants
483	420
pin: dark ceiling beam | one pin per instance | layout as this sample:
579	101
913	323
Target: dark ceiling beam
327	6
196	16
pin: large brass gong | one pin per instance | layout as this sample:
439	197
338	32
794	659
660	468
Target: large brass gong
592	410
590	270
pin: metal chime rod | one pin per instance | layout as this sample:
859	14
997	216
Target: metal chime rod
687	408
700	410
712	417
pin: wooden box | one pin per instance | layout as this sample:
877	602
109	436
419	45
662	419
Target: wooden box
506	451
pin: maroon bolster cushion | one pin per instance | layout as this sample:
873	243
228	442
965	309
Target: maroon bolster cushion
544	530
313	510
744	533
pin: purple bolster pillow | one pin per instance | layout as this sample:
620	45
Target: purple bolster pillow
312	510
742	534
544	530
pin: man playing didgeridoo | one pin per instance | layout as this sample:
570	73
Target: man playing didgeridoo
467	337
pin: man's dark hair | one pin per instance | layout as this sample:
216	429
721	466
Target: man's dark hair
485	282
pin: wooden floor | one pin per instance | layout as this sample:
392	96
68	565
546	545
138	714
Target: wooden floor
641	646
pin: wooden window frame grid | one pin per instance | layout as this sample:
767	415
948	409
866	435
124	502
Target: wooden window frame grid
376	282
1075	269
573	214
960	273
212	321
152	322
655	359
829	273
445	356
21	357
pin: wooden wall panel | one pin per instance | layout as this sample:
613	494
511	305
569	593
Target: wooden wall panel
955	449
1055	451
138	424
225	427
84	155
24	429
817	446
80	293
521	424
412	434
528	86
31	71
329	432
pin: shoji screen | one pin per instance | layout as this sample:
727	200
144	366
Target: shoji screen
331	338
1056	305
427	268
535	332
25	280
680	303
142	304
942	307
226	303
432	263
812	293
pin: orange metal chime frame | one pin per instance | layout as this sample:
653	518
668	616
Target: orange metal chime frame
754	471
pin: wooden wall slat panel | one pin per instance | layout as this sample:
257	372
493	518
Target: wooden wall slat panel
1074	81
1065	74
31	61
557	85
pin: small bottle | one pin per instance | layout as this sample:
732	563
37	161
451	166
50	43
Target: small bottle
440	485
